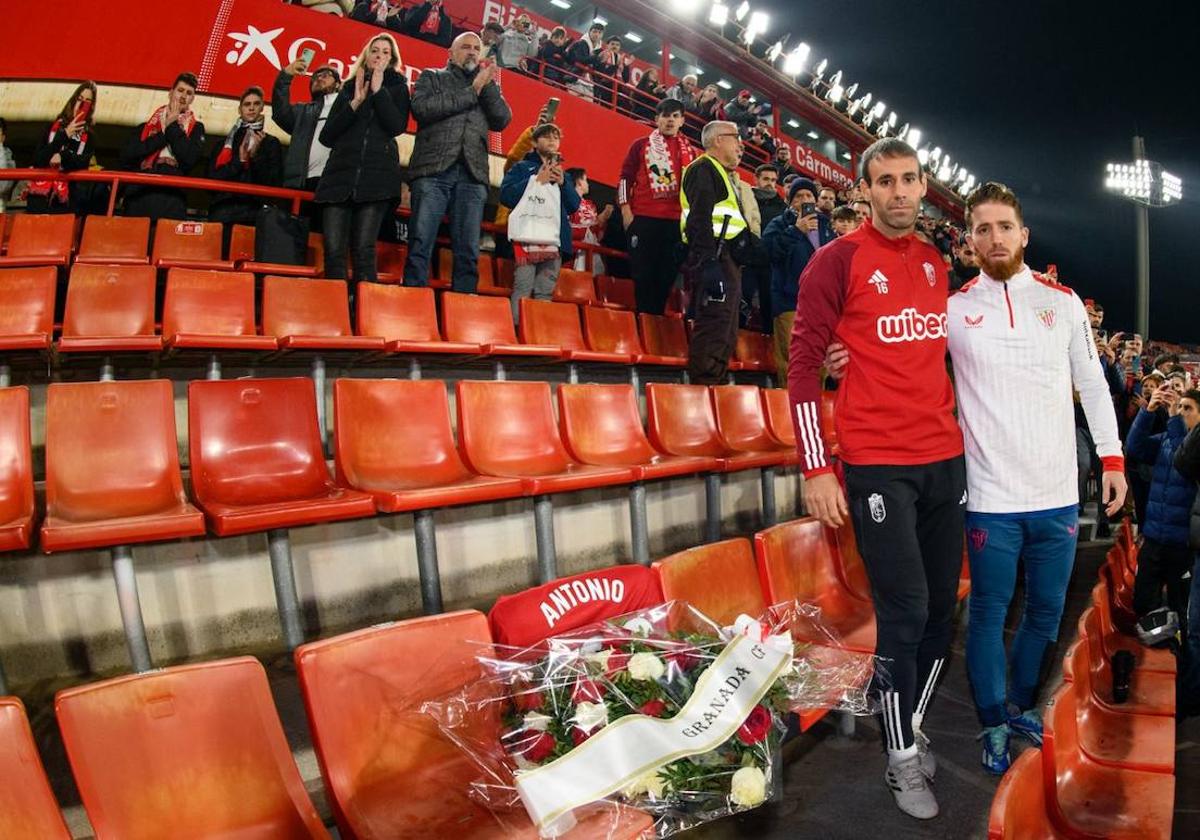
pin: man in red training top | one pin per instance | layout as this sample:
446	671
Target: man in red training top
881	292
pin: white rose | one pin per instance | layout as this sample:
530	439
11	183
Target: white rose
748	787
646	666
600	660
537	720
589	716
639	627
651	784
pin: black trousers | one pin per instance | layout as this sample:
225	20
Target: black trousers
909	522
715	328
654	259
1161	565
356	226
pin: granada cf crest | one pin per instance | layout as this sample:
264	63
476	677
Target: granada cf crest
878	511
930	274
978	538
1047	316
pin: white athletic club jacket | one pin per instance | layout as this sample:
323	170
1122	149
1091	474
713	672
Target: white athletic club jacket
1017	349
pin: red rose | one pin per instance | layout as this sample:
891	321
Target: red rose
526	698
653	708
586	691
616	663
685	659
756	727
537	747
578	736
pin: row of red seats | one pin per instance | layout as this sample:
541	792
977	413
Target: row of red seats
110	309
387	769
1105	769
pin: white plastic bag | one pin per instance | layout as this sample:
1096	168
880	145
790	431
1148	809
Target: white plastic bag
537	218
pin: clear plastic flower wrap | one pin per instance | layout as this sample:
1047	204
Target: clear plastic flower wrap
657	718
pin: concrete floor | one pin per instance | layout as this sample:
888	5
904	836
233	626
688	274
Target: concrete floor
833	785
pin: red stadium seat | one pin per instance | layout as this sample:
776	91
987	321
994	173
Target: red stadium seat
719	579
682	422
27	308
505	272
6	223
615	331
188	245
211	310
389	262
663	336
1019	806
1139	742
28	808
544	322
742	422
601	425
311	315
575	287
39	239
112	466
508	429
406	318
402	478
115	240
1088	799
1150	692
490	280
241	254
850	564
795	563
110	309
778	410
389	770
615	292
256	457
1112	640
16	472
487	322
753	351
190	751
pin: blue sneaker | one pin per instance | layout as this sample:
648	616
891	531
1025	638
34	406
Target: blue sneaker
1028	725
996	758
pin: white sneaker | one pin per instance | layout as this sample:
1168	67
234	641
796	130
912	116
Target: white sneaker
928	759
910	787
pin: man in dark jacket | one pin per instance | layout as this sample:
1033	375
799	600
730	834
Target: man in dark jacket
306	156
791	239
756	279
248	156
742	112
168	143
386	13
455	108
538	264
1164	558
1187	463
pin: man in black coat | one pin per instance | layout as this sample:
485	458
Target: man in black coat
307	155
455	108
1187	463
248	156
757	278
169	143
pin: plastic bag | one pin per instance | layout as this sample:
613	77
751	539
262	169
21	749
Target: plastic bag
659	714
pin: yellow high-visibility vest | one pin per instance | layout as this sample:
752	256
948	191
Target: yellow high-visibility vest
727	207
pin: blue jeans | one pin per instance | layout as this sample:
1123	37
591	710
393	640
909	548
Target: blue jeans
995	542
457	191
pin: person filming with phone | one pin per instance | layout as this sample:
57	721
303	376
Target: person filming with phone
306	156
66	146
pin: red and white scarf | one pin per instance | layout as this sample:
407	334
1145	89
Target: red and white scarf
57	191
666	158
433	21
226	153
154	125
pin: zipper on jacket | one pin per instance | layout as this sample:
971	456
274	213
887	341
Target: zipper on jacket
1008	300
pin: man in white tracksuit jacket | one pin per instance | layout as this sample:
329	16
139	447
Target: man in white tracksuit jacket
1019	343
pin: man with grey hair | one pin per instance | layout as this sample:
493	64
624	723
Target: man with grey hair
685	91
455	108
717	234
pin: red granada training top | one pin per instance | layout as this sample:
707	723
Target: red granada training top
885	300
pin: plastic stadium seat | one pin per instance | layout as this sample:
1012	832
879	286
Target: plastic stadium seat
1139	742
753	351
110	309
1019	806
777	408
241	254
487	322
16	471
311	315
6	223
601	425
389	262
406	318
1112	640
676	303
401	478
190	751
188	245
256	457
545	322
27	805
39	239
575	287
505	272
211	310
112	467
742	422
1088	799
27	308
663	336
1150	692
850	563
508	429
615	292
390	773
615	331
719	579
490	281
682	422
115	240
795	563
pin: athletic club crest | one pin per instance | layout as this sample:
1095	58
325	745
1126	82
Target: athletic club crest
930	274
1046	316
978	538
878	511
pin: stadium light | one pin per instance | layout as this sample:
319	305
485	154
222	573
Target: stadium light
878	111
1147	184
850	91
923	156
970	185
774	52
913	138
686	6
718	15
793	65
821	68
757	26
892	120
742	11
633	36
936	154
835	94
902	134
562	4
